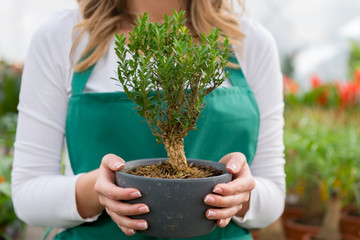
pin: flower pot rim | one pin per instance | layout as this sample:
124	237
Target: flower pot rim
347	236
350	217
220	166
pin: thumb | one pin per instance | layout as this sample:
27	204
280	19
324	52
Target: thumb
234	162
112	162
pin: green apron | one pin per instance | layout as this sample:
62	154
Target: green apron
102	123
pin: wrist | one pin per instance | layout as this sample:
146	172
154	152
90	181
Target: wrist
87	200
244	209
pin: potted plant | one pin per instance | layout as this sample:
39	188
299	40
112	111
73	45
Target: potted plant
350	215
167	77
301	211
326	149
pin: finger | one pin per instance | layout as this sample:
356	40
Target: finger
126	209
235	187
126	222
127	231
109	164
234	162
242	182
223	213
113	162
226	201
223	222
105	184
110	190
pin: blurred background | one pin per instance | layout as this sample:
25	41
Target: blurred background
319	48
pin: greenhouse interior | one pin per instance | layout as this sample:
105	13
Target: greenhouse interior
318	48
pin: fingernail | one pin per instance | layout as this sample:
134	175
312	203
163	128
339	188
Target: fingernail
118	165
233	167
135	194
142	225
144	209
211	213
131	231
221	222
218	190
209	199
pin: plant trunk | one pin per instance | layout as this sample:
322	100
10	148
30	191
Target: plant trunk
176	153
314	209
330	227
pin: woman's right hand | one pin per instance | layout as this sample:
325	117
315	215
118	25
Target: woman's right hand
111	197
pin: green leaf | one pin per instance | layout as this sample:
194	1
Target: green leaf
5	188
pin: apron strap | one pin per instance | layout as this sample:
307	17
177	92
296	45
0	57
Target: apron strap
79	80
236	75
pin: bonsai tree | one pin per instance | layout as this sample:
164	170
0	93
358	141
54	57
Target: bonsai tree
168	75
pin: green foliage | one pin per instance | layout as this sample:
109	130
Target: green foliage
322	149
10	77
169	72
9	223
354	58
7	131
287	65
6	210
325	95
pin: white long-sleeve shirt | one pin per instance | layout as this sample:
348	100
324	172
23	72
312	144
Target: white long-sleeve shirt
42	196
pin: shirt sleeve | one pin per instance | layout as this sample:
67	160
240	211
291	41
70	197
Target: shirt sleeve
260	62
42	195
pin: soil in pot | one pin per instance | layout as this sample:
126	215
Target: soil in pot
165	170
177	208
350	221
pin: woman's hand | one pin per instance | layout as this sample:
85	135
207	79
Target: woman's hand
111	196
232	198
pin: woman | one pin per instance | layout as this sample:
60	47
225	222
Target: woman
55	103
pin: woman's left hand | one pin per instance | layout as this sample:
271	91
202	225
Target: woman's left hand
231	198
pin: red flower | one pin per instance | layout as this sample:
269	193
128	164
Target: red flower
349	93
315	81
323	98
290	86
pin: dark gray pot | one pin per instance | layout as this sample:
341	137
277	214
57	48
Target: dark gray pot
177	208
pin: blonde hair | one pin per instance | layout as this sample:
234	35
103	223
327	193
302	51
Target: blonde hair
101	20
